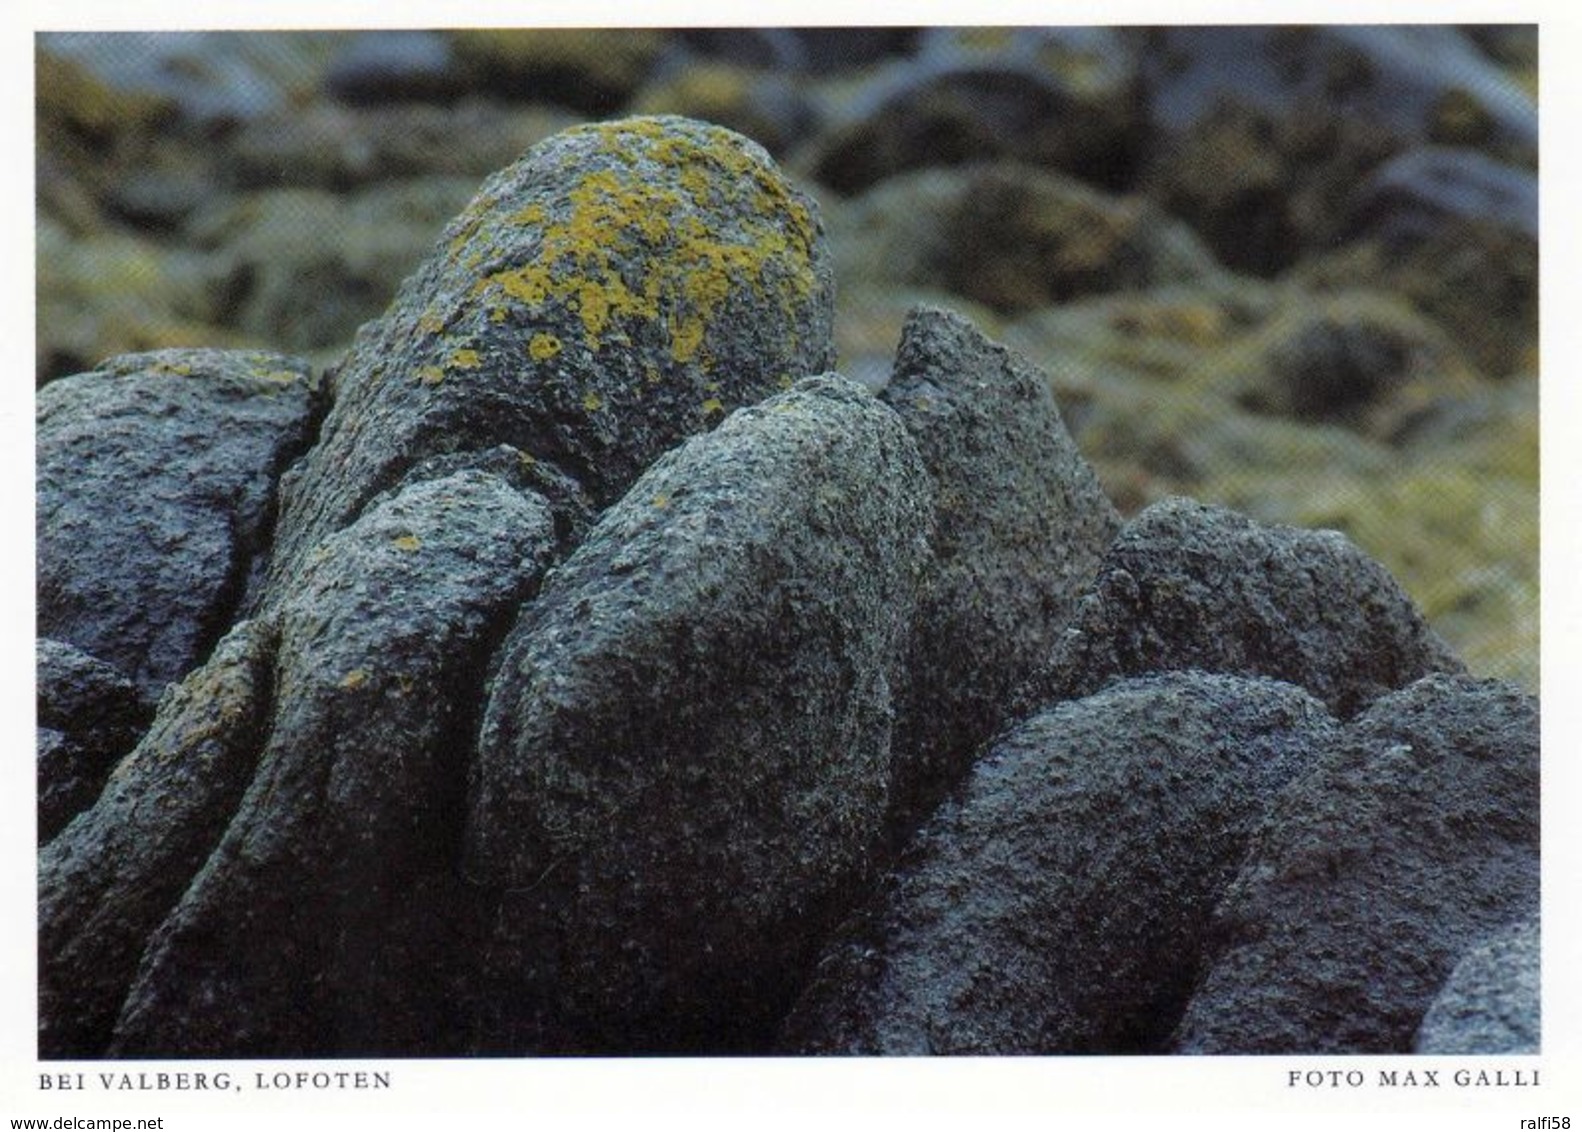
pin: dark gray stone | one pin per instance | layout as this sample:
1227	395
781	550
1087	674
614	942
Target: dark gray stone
686	753
1020	524
381	66
1411	841
89	715
621	287
1059	906
1186	585
303	934
156	482
115	872
955	107
1492	1002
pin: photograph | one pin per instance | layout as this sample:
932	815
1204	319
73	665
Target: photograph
668	561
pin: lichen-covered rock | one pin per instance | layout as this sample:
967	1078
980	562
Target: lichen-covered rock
953	107
1059	906
89	715
116	871
301	934
685	760
1492	1001
1359	358
1012	237
156	482
622	286
1020	523
1189	586
1410	842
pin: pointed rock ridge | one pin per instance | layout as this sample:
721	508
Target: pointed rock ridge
301	935
622	286
156	486
1188	585
684	759
1020	526
1492	1001
1058	905
1407	844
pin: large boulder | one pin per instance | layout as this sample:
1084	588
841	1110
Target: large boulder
156	486
1020	523
1404	846
1059	905
685	759
620	287
1186	585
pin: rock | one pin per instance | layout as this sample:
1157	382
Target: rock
685	760
1422	83
1409	197
1363	359
89	715
1188	586
1410	842
116	871
621	287
1020	523
1059	905
305	268
211	79
946	110
1260	186
301	935
156	482
1012	237
376	67
1492	1002
589	70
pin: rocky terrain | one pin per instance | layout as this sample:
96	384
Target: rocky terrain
899	584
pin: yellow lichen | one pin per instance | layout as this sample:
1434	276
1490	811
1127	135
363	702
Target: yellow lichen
631	247
543	346
464	359
711	406
356	678
407	542
430	375
592	402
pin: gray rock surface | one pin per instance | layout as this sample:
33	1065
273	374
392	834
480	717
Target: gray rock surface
1186	585
620	287
1020	523
89	715
1059	906
1493	1000
1408	843
301	934
114	873
156	482
1413	194
685	760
